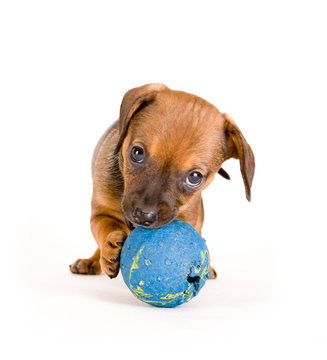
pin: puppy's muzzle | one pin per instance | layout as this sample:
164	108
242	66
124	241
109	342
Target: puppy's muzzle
153	214
144	217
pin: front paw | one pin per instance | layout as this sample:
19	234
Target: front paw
110	266
110	253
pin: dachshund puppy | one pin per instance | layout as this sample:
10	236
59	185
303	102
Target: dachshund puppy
151	166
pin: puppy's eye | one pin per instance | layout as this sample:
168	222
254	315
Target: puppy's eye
194	179
137	154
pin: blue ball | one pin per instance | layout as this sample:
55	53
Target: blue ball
165	267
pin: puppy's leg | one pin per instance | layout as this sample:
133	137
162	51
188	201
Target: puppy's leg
89	266
110	236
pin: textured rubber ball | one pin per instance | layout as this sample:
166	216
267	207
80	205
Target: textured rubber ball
165	267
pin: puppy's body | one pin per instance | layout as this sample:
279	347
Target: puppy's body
151	166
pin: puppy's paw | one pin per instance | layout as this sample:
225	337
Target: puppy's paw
213	274
109	266
110	253
85	267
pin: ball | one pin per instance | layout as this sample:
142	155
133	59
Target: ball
167	266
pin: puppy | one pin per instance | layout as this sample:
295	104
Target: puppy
151	166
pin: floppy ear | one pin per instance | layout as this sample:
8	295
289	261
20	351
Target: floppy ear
133	101
238	148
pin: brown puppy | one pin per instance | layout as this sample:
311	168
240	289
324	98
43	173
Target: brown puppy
150	167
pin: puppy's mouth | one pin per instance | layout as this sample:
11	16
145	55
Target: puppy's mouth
132	225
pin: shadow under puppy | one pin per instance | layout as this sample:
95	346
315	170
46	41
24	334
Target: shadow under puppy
151	166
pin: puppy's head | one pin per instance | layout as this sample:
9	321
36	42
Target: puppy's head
171	145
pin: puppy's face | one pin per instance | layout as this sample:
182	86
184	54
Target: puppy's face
172	144
170	154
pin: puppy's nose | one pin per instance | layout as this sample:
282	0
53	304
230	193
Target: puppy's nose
144	218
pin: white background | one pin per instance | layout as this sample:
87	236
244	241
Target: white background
65	66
